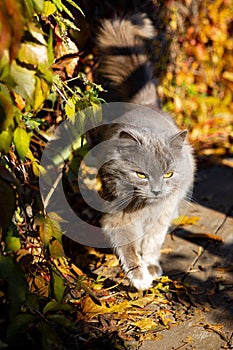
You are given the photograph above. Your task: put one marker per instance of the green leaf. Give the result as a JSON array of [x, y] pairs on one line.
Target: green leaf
[[70, 109], [7, 206], [58, 4], [64, 8], [38, 6], [55, 306], [45, 231], [58, 285], [24, 81], [34, 54], [6, 137], [19, 325], [69, 23], [17, 285], [36, 33], [4, 66], [61, 320], [50, 47], [6, 108], [50, 337], [71, 2], [36, 167], [53, 221], [41, 93], [48, 228], [29, 8], [56, 250], [12, 243], [21, 141]]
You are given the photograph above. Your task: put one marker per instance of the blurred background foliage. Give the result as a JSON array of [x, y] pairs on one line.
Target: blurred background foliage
[[48, 71], [197, 87]]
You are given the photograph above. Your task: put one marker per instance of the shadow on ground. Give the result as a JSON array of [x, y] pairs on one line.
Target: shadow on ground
[[207, 265]]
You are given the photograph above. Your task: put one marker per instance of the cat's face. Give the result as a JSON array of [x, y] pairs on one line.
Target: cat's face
[[145, 168]]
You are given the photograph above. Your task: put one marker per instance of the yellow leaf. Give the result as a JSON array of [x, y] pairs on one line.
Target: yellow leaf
[[228, 75], [49, 8], [41, 93], [70, 109], [142, 302], [77, 270], [91, 309], [185, 220], [165, 317], [145, 324], [111, 260], [39, 285], [165, 279], [56, 249], [189, 339]]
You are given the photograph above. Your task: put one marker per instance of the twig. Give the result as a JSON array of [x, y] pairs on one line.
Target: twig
[[49, 195]]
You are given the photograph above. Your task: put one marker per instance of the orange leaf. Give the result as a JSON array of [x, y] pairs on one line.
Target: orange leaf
[[211, 236]]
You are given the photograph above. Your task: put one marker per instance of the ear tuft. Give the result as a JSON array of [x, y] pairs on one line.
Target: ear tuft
[[178, 139], [128, 136]]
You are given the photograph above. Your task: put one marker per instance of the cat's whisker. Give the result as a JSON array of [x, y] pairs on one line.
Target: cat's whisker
[[122, 202]]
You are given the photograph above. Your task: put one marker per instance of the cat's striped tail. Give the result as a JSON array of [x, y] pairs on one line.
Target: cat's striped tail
[[124, 60]]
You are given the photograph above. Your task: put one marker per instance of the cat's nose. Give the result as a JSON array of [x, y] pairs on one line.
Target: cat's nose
[[155, 192]]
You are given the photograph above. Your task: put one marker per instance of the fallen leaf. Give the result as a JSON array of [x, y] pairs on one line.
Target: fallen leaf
[[224, 268], [91, 309], [77, 270], [185, 220], [204, 235], [142, 302], [111, 260], [145, 324], [166, 251], [166, 317]]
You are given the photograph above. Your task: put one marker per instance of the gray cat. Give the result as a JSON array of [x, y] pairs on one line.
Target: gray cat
[[147, 167]]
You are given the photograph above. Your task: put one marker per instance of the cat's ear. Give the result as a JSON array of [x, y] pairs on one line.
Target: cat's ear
[[178, 139], [128, 135]]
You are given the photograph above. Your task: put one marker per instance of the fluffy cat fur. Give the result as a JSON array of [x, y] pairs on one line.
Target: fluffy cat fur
[[149, 168]]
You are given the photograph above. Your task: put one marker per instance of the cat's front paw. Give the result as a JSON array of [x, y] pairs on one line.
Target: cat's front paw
[[140, 278], [155, 270]]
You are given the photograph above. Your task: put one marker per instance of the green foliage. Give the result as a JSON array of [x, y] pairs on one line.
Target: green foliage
[[7, 206], [77, 99], [26, 72], [33, 99], [16, 283]]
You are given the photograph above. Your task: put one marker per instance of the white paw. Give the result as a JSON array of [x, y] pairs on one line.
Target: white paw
[[140, 278]]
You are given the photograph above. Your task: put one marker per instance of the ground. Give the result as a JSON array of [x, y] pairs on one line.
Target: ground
[[199, 257], [206, 265]]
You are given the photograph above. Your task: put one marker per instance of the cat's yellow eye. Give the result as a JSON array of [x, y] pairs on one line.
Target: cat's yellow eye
[[168, 175], [141, 175]]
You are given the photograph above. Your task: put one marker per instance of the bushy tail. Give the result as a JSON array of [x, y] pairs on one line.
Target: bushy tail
[[124, 58]]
